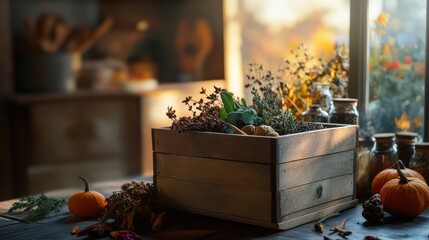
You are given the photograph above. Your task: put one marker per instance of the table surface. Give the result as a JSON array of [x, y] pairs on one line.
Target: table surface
[[180, 225]]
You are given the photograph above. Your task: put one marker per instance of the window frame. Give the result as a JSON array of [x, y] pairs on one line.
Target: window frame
[[359, 52]]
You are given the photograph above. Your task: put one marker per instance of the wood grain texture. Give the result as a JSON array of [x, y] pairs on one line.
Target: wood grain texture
[[214, 145], [316, 143], [295, 173], [313, 194], [222, 172], [316, 213], [182, 194], [257, 149], [291, 178]]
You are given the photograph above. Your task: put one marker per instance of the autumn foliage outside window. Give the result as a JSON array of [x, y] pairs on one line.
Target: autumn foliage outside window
[[396, 82]]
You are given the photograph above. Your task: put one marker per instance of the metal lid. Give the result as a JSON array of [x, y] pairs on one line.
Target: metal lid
[[348, 100], [384, 135], [404, 134], [405, 137], [422, 145]]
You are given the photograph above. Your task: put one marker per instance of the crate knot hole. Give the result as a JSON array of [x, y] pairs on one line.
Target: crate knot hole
[[319, 191]]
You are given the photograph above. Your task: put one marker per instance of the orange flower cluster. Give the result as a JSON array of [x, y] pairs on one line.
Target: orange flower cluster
[[301, 70]]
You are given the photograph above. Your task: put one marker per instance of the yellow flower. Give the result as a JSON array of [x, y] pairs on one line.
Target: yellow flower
[[383, 19], [403, 123], [418, 121], [386, 49]]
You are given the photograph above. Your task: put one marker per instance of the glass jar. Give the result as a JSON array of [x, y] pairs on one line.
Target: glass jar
[[321, 95], [405, 144], [344, 111], [315, 114], [383, 154], [420, 160], [362, 171]]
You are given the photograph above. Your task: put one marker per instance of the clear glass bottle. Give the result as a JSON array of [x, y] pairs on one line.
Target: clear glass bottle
[[315, 114], [344, 110], [362, 171], [383, 154], [321, 95], [420, 160], [405, 144]]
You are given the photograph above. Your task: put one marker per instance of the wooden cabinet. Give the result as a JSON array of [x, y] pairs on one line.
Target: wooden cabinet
[[57, 137], [47, 139]]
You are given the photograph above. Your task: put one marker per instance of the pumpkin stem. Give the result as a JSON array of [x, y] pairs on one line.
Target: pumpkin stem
[[86, 183], [401, 163], [402, 178], [398, 162]]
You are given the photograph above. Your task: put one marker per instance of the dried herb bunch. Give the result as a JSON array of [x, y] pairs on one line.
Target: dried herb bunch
[[133, 206], [267, 90], [208, 118], [37, 208]]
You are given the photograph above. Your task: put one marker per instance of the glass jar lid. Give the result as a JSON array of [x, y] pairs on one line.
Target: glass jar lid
[[321, 84], [405, 137], [345, 100], [384, 137], [422, 145], [361, 141]]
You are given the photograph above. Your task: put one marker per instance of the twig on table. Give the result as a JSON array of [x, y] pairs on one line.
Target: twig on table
[[319, 226], [340, 229]]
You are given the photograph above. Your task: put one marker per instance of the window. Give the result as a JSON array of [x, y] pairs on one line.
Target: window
[[386, 39], [264, 32], [389, 64]]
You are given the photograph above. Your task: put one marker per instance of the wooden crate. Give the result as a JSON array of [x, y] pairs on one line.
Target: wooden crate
[[276, 182]]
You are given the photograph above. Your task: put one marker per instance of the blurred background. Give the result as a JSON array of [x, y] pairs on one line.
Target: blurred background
[[83, 82]]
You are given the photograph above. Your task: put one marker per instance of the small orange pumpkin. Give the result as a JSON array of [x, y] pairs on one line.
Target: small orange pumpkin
[[405, 197], [391, 173], [87, 204]]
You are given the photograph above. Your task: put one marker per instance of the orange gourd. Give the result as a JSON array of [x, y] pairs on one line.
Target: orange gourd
[[405, 197], [391, 173], [87, 204]]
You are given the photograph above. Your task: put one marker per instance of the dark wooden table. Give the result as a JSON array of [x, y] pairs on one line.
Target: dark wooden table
[[180, 225]]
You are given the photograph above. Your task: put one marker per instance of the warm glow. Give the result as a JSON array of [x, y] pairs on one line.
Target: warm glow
[[233, 43], [403, 123], [277, 14]]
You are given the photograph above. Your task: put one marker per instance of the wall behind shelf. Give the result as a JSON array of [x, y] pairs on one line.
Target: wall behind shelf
[[6, 187]]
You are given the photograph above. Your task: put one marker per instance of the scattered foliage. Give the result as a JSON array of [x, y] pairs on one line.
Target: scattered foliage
[[133, 205], [37, 208], [208, 119]]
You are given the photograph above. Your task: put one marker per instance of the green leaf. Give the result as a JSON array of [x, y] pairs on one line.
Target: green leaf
[[237, 105], [249, 116], [235, 118], [228, 101], [244, 103], [223, 114]]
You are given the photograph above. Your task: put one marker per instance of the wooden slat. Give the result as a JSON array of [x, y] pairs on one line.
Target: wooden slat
[[316, 213], [267, 150], [310, 195], [319, 208], [227, 173], [214, 145], [316, 143], [295, 173], [186, 195]]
